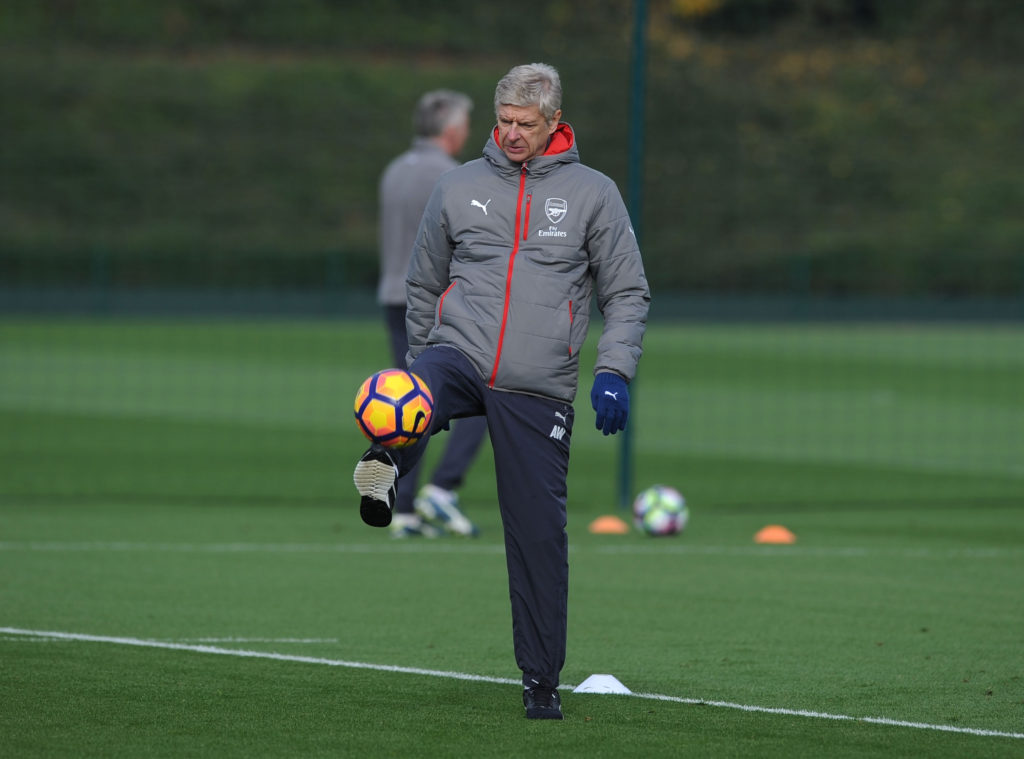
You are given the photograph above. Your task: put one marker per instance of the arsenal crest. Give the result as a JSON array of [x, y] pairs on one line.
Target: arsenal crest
[[555, 209]]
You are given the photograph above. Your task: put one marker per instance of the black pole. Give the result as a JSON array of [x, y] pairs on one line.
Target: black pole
[[638, 99]]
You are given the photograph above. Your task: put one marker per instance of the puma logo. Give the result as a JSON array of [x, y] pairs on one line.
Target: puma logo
[[482, 206], [613, 395]]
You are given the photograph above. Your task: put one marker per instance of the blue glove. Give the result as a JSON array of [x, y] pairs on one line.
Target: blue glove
[[610, 399]]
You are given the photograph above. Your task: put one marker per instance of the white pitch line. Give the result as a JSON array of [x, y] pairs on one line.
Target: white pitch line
[[258, 640], [826, 715], [360, 548], [202, 649], [462, 547]]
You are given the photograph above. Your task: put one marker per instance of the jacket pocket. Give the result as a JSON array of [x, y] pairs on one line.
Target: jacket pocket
[[438, 315], [572, 318]]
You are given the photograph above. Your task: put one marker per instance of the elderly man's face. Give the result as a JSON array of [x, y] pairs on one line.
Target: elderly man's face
[[522, 131]]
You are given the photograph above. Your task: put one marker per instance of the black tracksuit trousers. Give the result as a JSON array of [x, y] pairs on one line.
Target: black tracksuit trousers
[[464, 440], [530, 438]]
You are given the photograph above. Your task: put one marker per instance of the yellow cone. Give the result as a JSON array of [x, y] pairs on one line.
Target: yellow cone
[[609, 525], [774, 533]]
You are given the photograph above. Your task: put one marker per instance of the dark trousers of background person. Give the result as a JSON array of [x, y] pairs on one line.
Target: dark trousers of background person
[[530, 436], [464, 440]]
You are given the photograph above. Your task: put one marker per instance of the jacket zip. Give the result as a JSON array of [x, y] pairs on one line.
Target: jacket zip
[[511, 263]]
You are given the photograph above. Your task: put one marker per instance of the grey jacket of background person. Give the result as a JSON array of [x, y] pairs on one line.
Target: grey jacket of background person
[[404, 189], [506, 262]]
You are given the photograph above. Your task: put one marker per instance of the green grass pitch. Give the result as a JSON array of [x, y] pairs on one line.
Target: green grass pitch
[[176, 502]]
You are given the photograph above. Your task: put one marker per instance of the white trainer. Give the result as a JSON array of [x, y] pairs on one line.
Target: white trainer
[[412, 526], [375, 477], [442, 507]]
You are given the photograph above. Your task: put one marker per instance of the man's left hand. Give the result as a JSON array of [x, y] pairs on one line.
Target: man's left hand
[[610, 399]]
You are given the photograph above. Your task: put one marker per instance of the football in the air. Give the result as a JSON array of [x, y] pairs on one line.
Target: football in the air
[[393, 408], [660, 510]]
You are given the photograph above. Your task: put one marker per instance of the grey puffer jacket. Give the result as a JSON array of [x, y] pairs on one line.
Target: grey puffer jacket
[[507, 259], [405, 187]]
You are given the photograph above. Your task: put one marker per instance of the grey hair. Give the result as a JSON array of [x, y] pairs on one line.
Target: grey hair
[[438, 109], [531, 84]]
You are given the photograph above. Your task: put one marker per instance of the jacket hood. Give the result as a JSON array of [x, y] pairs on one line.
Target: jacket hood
[[561, 149]]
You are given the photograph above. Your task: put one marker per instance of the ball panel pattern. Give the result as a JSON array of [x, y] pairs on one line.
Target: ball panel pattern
[[393, 408]]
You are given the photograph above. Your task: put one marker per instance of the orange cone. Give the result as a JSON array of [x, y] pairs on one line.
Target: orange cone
[[608, 525], [774, 533]]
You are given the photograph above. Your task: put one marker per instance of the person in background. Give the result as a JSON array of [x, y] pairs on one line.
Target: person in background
[[512, 249], [440, 126]]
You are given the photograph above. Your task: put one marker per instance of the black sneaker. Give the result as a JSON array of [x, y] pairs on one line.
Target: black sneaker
[[542, 703], [376, 476]]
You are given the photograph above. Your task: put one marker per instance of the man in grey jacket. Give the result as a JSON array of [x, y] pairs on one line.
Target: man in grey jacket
[[511, 251], [441, 126]]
